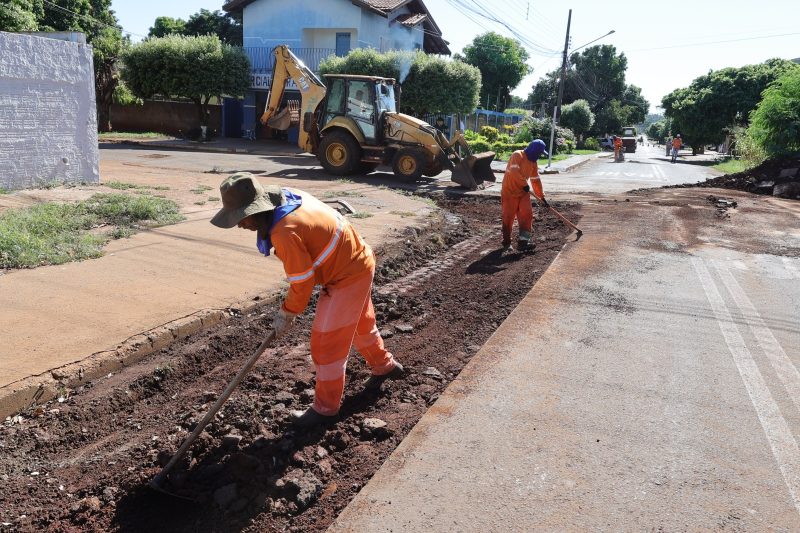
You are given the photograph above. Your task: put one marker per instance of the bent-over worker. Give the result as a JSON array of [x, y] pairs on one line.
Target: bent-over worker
[[317, 246], [522, 173]]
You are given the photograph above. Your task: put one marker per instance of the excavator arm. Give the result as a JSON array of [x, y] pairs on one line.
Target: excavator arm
[[312, 92]]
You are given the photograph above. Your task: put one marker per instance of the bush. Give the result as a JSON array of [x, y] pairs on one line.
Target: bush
[[489, 132], [479, 145], [536, 128], [775, 123], [517, 111], [504, 138], [591, 144], [470, 135]]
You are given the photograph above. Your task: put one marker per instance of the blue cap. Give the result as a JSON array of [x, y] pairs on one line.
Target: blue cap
[[535, 149]]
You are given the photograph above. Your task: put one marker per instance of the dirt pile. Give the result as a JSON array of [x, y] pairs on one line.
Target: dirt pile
[[775, 177], [81, 463]]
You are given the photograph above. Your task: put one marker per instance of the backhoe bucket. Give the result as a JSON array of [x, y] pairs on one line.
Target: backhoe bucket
[[280, 120], [473, 170]]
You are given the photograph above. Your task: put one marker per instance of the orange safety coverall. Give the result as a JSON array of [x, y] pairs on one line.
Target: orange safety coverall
[[676, 143], [516, 203], [617, 147], [318, 246]]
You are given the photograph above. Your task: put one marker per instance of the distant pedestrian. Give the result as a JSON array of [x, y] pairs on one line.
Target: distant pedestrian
[[676, 146]]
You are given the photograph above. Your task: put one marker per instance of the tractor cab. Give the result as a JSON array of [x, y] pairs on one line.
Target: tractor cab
[[361, 101]]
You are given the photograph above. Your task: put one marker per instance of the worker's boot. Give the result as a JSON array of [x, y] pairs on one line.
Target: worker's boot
[[310, 418], [506, 245], [375, 382]]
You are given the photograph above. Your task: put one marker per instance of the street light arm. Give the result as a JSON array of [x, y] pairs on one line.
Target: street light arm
[[594, 40]]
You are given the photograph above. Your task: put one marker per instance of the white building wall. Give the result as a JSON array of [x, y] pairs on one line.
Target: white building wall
[[48, 121]]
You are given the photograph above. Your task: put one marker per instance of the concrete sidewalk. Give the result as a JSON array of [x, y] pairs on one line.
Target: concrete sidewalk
[[64, 325]]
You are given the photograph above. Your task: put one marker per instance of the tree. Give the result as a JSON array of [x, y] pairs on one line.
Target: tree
[[706, 110], [596, 75], [502, 62], [164, 26], [775, 123], [577, 116], [20, 15], [94, 18], [197, 68], [225, 26], [430, 84]]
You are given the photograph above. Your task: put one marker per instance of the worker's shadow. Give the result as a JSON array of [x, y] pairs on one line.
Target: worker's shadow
[[496, 261]]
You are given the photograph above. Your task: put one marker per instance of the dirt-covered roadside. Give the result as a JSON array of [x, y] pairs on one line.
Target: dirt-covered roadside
[[774, 177], [82, 463]]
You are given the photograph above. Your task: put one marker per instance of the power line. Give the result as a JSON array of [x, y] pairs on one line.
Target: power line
[[92, 19], [712, 42]]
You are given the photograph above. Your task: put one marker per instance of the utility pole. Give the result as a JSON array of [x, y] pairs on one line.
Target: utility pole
[[557, 109]]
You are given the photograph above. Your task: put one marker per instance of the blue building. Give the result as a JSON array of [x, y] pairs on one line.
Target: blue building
[[316, 29]]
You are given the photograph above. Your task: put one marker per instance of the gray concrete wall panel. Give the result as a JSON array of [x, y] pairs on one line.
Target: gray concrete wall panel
[[48, 120]]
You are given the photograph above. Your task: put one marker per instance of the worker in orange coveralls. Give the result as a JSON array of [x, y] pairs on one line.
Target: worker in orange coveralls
[[522, 172], [317, 246], [618, 148]]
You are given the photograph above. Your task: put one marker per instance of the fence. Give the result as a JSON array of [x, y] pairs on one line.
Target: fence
[[262, 58]]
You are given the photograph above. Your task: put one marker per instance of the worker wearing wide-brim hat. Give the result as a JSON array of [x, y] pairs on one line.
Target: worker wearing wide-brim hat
[[522, 173], [317, 246]]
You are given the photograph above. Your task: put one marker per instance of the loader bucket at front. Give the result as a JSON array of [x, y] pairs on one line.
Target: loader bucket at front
[[473, 170]]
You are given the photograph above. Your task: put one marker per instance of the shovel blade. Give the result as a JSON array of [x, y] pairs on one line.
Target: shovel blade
[[473, 170]]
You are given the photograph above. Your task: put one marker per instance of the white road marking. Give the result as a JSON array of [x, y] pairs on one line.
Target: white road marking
[[784, 446], [791, 267], [783, 366]]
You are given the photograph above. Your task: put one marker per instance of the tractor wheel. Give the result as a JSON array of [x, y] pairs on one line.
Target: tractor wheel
[[434, 169], [339, 153], [409, 164]]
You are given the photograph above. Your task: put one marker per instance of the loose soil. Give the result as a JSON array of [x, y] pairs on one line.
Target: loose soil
[[762, 179], [82, 463]]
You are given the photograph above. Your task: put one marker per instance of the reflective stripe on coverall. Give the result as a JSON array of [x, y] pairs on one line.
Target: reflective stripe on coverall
[[516, 203], [319, 247]]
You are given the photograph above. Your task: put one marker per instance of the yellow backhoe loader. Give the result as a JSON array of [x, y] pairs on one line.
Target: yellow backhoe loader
[[352, 126]]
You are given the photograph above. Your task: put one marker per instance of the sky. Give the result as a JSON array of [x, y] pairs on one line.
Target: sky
[[667, 44]]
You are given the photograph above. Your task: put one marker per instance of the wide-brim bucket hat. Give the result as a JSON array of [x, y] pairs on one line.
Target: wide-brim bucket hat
[[242, 196]]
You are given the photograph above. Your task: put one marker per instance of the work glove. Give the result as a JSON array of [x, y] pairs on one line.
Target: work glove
[[544, 202], [527, 188], [282, 322]]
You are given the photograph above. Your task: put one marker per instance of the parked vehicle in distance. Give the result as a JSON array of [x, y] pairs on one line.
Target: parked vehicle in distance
[[606, 143]]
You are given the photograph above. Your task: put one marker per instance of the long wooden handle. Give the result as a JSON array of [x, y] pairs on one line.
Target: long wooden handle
[[159, 479], [567, 222]]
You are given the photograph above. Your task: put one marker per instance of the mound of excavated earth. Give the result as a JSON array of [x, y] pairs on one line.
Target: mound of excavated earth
[[775, 177], [82, 463]]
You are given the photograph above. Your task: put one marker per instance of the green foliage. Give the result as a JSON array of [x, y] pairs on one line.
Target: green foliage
[[536, 128], [596, 75], [224, 26], [591, 144], [703, 112], [54, 233], [164, 26], [577, 116], [196, 68], [430, 84], [489, 133], [20, 15], [516, 111], [502, 63], [775, 123], [658, 131], [124, 96]]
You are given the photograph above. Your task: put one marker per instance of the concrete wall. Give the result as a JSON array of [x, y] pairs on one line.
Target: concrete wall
[[174, 118], [48, 121]]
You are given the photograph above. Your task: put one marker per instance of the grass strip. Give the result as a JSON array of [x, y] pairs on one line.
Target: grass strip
[[56, 233]]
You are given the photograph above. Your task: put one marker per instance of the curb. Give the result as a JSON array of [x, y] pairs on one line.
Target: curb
[[41, 388]]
